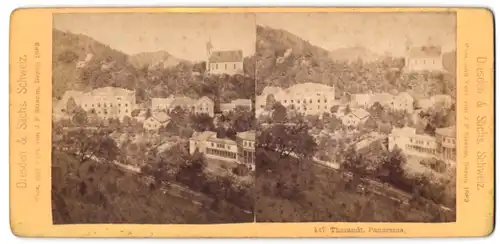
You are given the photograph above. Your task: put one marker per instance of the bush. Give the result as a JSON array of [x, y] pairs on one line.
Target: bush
[[241, 170]]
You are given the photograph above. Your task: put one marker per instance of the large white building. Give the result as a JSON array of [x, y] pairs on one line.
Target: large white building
[[442, 146], [305, 98], [412, 143], [105, 102], [240, 151], [224, 62]]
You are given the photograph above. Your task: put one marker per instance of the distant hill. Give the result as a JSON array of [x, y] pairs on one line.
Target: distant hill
[[82, 63], [160, 59], [352, 54]]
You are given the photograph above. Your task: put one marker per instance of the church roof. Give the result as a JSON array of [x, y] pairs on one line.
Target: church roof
[[425, 51], [226, 56]]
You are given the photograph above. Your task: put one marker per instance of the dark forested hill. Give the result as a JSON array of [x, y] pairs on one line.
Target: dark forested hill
[[79, 62]]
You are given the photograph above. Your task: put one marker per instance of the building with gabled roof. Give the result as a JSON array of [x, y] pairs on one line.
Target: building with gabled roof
[[424, 58], [224, 61], [156, 121]]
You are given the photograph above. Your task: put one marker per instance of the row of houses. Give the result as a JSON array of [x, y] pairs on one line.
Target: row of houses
[[242, 150], [114, 102]]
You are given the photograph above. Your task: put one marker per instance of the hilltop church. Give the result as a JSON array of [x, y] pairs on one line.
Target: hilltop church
[[423, 58], [224, 62]]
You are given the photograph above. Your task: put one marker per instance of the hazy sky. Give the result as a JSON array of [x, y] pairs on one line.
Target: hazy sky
[[379, 32], [183, 35]]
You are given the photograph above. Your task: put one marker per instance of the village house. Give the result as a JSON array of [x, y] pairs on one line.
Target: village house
[[442, 101], [231, 106], [446, 143], [305, 98], [198, 106], [156, 121], [400, 102], [424, 58], [246, 148], [240, 151], [354, 118], [413, 144], [224, 62]]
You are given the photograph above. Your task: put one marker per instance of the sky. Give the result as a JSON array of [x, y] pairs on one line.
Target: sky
[[379, 32], [183, 35]]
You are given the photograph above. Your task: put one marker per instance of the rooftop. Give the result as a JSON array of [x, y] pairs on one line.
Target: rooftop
[[226, 56], [203, 136], [221, 140], [447, 131], [113, 91], [162, 117], [425, 51], [247, 135]]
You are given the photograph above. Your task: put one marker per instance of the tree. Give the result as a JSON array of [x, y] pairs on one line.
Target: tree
[[148, 113], [334, 109], [334, 123], [86, 145], [293, 140], [279, 113], [202, 122], [270, 102], [221, 132], [347, 110], [71, 105], [392, 170], [79, 116]]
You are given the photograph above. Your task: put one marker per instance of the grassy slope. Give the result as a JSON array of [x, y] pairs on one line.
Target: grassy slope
[[326, 198], [124, 199]]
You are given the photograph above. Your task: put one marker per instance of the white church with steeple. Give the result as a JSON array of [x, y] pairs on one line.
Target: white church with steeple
[[224, 62]]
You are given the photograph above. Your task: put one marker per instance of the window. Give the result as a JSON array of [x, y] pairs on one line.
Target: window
[[92, 105], [111, 105], [217, 66], [85, 105], [119, 105], [104, 105], [234, 66], [318, 107], [325, 101], [291, 101], [126, 104], [99, 105], [284, 101], [126, 111], [319, 101], [298, 101], [212, 144], [225, 66]]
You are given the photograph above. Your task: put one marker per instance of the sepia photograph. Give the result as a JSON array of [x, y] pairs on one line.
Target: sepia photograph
[[356, 117], [153, 118]]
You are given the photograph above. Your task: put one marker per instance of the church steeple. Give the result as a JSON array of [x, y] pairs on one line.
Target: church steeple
[[209, 47]]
